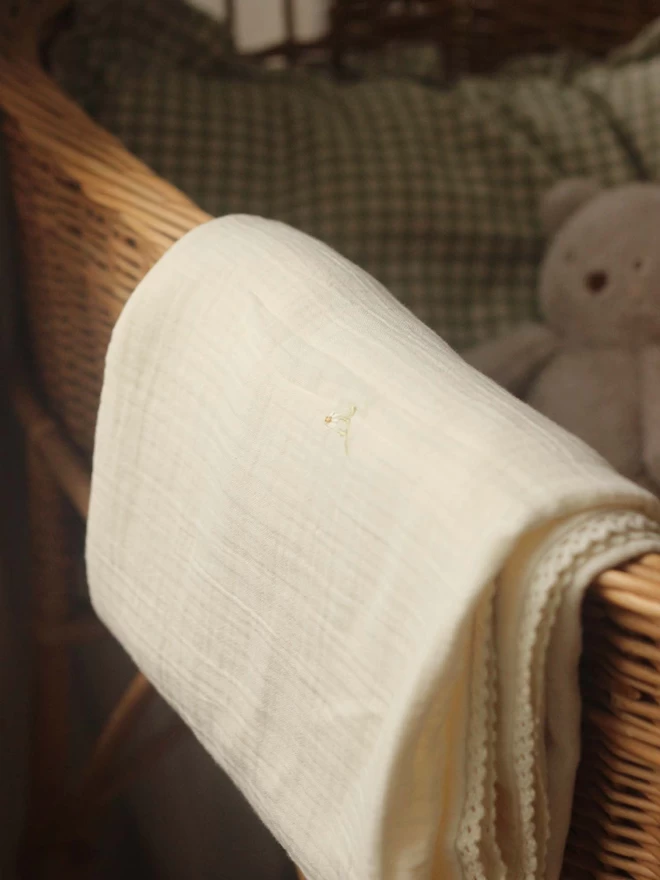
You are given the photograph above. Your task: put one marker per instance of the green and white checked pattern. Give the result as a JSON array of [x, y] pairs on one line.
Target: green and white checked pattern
[[434, 191]]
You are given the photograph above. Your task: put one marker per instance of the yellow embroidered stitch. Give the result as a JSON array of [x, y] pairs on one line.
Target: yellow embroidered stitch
[[341, 423]]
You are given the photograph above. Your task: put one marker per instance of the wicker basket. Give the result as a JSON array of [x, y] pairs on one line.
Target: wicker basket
[[93, 219]]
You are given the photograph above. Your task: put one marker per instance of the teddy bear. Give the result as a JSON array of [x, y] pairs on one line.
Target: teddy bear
[[593, 365]]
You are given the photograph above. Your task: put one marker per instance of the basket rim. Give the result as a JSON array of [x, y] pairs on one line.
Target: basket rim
[[108, 174]]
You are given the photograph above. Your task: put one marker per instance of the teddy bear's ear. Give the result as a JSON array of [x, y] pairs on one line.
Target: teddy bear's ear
[[564, 199]]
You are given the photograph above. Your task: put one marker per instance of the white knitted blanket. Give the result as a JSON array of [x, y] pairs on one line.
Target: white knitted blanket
[[352, 564]]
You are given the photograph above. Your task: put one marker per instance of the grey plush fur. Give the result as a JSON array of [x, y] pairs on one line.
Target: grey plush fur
[[594, 365]]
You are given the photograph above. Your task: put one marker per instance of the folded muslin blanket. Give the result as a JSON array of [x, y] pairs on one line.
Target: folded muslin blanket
[[352, 564]]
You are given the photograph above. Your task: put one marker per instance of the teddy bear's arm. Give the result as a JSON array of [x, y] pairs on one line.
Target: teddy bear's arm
[[650, 398], [513, 359]]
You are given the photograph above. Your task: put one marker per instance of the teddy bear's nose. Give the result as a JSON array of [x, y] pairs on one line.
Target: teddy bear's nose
[[596, 281]]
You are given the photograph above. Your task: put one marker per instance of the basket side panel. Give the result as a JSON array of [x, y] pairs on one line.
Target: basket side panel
[[80, 263], [615, 828], [92, 221]]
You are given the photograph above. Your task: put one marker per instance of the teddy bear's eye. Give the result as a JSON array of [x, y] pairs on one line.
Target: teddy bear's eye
[[596, 281], [638, 264]]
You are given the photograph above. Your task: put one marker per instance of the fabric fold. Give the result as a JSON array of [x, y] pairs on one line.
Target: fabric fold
[[352, 564]]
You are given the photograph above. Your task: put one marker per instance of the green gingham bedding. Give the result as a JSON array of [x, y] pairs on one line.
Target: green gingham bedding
[[433, 190]]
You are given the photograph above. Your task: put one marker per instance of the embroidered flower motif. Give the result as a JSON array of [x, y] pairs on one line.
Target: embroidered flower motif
[[341, 423]]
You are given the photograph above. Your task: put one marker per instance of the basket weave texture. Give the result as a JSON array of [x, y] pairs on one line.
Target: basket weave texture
[[93, 220]]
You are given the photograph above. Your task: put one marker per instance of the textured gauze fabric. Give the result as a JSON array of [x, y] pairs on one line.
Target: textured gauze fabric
[[351, 563]]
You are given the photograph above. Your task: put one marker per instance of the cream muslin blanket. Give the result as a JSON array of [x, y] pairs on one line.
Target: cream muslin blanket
[[353, 565]]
